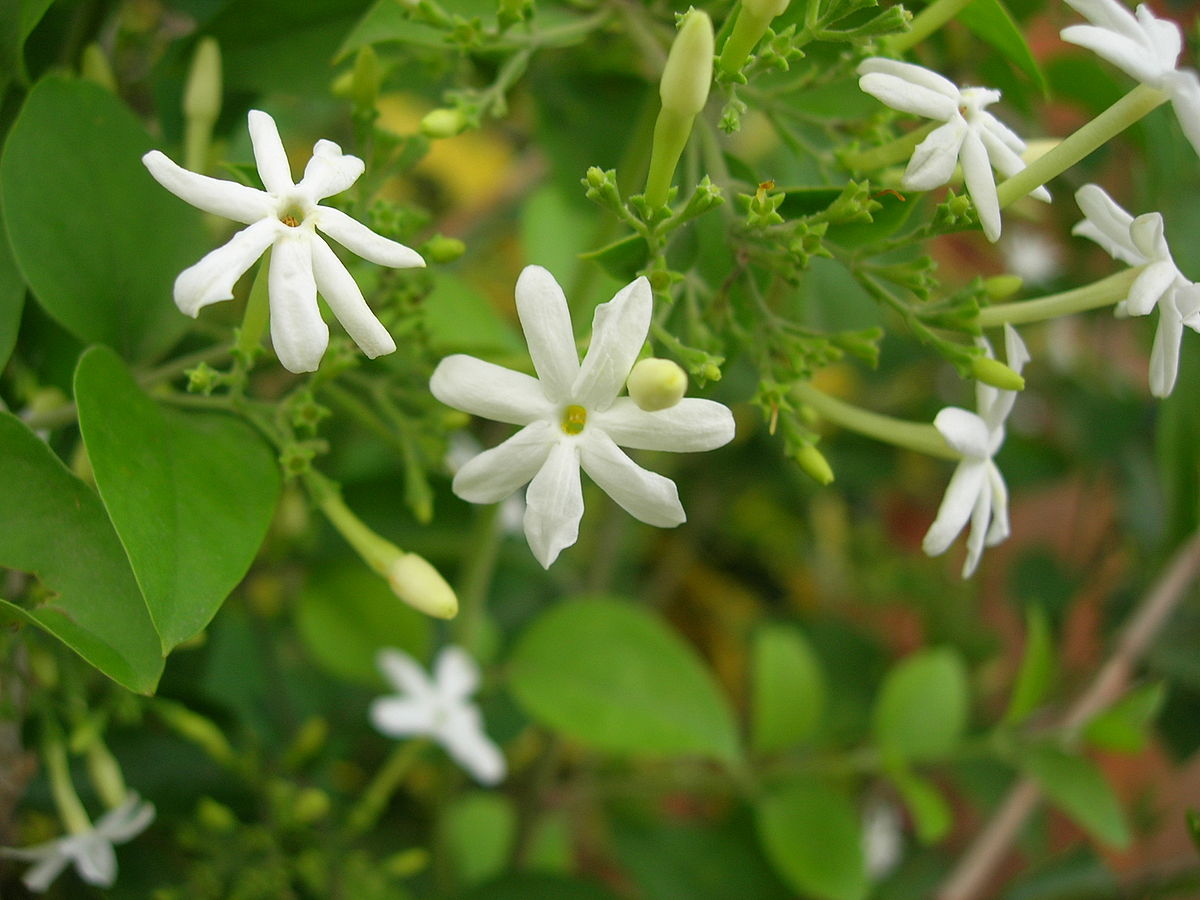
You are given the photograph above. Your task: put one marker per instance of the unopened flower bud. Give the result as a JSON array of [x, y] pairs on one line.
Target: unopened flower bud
[[997, 374], [310, 805], [364, 85], [422, 587], [656, 384], [443, 123], [1000, 287], [94, 66], [688, 72], [751, 24], [442, 249], [196, 728], [814, 464], [407, 863], [216, 817], [202, 92], [105, 775]]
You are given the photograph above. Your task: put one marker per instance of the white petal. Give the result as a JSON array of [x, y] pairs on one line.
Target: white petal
[[546, 321], [990, 125], [913, 74], [488, 390], [1107, 224], [903, 95], [999, 530], [964, 431], [1106, 13], [1185, 99], [1016, 354], [359, 239], [464, 739], [619, 329], [50, 865], [645, 495], [1150, 287], [554, 504], [227, 199], [1146, 232], [329, 172], [934, 160], [402, 716], [1126, 53], [690, 425], [269, 155], [213, 277], [495, 474], [977, 173], [1163, 35], [298, 333], [456, 674], [1164, 356], [341, 292], [957, 505], [404, 673], [981, 514], [127, 821], [95, 860]]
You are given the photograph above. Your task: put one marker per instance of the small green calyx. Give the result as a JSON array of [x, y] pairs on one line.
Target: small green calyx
[[574, 418]]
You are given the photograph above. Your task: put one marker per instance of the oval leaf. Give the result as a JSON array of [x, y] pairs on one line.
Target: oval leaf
[[12, 298], [921, 712], [478, 830], [788, 689], [54, 526], [1037, 667], [615, 677], [1078, 788], [810, 832], [991, 21], [191, 494], [98, 241]]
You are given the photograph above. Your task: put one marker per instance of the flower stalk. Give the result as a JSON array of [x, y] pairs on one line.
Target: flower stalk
[[909, 435], [70, 810], [374, 799], [929, 20], [753, 19], [1105, 292]]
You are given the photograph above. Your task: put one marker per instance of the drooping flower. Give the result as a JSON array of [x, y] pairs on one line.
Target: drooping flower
[[1141, 242], [439, 708], [286, 218], [970, 135], [91, 851], [571, 417], [1145, 47], [976, 492]]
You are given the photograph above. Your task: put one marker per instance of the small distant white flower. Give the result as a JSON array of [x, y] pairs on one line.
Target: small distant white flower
[[1146, 48], [1141, 242], [439, 708], [976, 492], [970, 135], [1032, 256], [882, 837], [286, 217], [572, 417], [90, 851]]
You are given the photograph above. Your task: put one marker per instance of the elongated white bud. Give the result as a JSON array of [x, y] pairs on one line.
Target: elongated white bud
[[688, 72]]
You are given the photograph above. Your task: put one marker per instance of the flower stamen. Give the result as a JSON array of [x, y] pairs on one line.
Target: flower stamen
[[574, 418], [290, 221]]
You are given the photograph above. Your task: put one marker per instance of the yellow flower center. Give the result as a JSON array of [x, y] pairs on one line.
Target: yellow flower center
[[290, 221], [574, 418]]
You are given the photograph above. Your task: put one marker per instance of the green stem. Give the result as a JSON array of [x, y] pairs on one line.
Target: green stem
[[671, 132], [1129, 109], [70, 810], [910, 435], [888, 154], [375, 798], [1106, 292], [930, 19], [473, 588], [254, 322], [747, 29]]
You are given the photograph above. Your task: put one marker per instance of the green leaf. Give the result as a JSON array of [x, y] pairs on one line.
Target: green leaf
[[621, 259], [191, 494], [18, 18], [810, 833], [347, 614], [1037, 667], [98, 241], [928, 808], [478, 830], [12, 297], [788, 689], [991, 21], [537, 886], [1123, 726], [54, 526], [1078, 788], [922, 710], [613, 676], [459, 319], [389, 21]]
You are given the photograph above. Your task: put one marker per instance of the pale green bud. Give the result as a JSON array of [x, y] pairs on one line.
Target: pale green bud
[[202, 92], [215, 816], [442, 249], [443, 123], [311, 805], [766, 8], [421, 586], [364, 85], [1000, 287], [748, 28], [815, 465], [94, 66], [105, 775], [656, 384], [688, 72], [997, 374], [196, 728]]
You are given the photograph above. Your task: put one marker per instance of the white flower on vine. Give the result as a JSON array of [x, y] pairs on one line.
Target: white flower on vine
[[571, 417], [286, 218], [439, 708], [976, 493], [1141, 242], [970, 135], [1145, 47], [91, 851]]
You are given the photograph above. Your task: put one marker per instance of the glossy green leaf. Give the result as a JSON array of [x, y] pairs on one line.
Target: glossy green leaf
[[54, 526], [18, 18], [1037, 667], [478, 830], [929, 810], [390, 22], [459, 319], [1124, 726], [991, 21], [811, 834], [12, 298], [615, 677], [788, 689], [1078, 788], [622, 259], [191, 494], [346, 615], [97, 240], [922, 708]]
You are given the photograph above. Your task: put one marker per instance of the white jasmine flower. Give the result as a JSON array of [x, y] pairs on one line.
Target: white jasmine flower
[[1146, 48], [571, 417], [90, 851], [439, 708], [1141, 242], [286, 217], [976, 492], [970, 135], [882, 838]]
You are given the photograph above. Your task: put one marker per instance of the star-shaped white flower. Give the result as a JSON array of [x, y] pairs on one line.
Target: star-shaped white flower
[[970, 135], [976, 492], [286, 217], [90, 851], [1146, 48], [572, 417], [1141, 242], [439, 708]]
